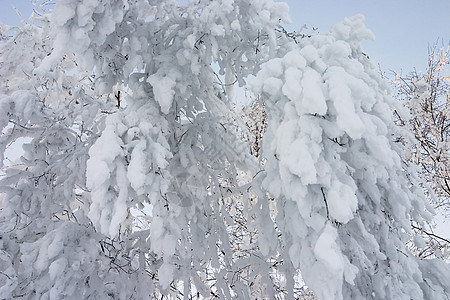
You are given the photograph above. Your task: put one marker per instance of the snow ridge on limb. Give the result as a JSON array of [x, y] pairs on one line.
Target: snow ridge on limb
[[331, 152]]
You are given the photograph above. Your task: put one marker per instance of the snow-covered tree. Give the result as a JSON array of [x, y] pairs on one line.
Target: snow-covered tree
[[124, 108], [336, 170], [427, 97]]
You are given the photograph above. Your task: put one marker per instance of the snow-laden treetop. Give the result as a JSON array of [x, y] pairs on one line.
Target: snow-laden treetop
[[135, 182]]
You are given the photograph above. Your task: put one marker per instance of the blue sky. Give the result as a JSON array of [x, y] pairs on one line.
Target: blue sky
[[403, 28]]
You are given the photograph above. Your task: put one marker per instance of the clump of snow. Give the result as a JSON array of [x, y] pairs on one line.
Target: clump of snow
[[163, 89], [313, 101], [100, 166], [291, 87], [295, 59], [63, 12], [235, 25], [217, 30], [57, 268], [419, 241], [137, 168], [272, 85], [353, 29], [342, 201], [165, 275], [330, 258], [341, 94], [274, 67], [309, 53]]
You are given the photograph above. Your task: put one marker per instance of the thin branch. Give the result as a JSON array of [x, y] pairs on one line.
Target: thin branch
[[430, 234], [326, 204]]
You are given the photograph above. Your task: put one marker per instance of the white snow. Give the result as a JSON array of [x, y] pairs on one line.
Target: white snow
[[324, 196], [57, 268], [55, 247], [352, 28], [63, 12], [272, 85], [330, 260], [189, 42], [419, 241], [120, 209], [292, 87], [313, 101], [84, 12], [165, 275], [295, 59], [309, 52], [347, 119], [137, 169], [235, 25], [99, 168], [163, 89], [274, 67], [342, 201], [217, 30]]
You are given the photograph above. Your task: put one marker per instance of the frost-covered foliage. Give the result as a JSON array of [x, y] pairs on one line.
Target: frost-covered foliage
[[255, 118], [427, 97], [124, 108]]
